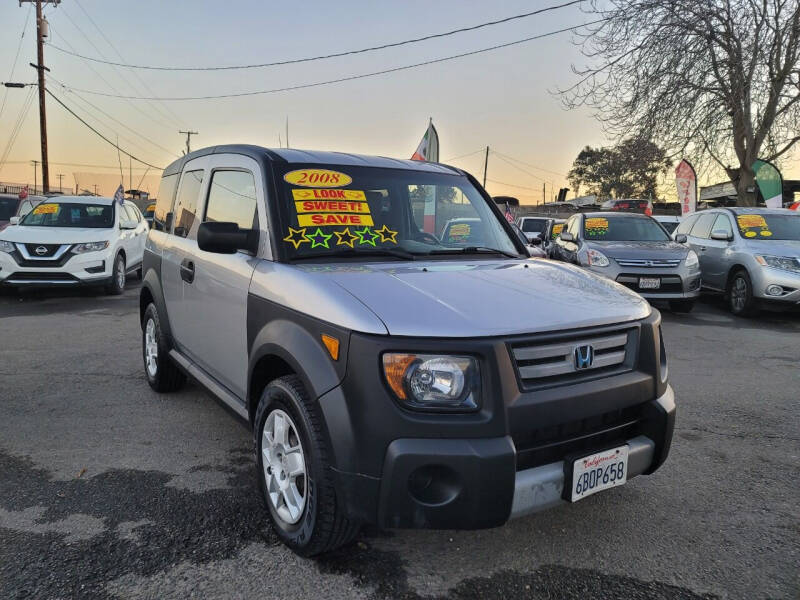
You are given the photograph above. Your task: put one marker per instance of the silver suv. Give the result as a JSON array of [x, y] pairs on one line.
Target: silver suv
[[633, 250], [752, 255], [392, 374]]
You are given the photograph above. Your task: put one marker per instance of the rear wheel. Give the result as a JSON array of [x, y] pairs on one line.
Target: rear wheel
[[293, 470], [162, 374], [117, 284], [681, 306], [740, 295]]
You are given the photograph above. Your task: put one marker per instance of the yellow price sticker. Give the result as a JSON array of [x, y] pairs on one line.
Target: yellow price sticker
[[597, 223], [46, 209], [557, 229], [322, 178], [751, 221]]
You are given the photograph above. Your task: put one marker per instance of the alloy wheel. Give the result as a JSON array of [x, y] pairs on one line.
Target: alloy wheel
[[739, 294], [121, 272], [151, 348], [284, 466]]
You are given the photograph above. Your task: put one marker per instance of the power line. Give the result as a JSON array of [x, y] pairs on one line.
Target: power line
[[508, 162], [125, 152], [26, 106], [529, 164], [70, 164], [514, 185], [447, 160], [324, 56], [16, 58], [344, 79]]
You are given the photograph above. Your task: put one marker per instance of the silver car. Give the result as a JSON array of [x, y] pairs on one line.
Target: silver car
[[633, 250], [752, 255]]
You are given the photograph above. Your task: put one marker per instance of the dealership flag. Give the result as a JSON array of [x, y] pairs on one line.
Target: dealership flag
[[686, 182], [23, 193], [119, 195], [428, 148], [770, 183]]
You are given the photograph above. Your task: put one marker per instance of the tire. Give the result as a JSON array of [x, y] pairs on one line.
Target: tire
[[740, 295], [317, 524], [162, 374], [116, 285], [681, 306]]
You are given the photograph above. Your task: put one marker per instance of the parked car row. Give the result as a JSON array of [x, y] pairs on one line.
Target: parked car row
[[13, 207]]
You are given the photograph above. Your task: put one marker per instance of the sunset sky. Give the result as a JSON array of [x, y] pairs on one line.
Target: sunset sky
[[501, 99]]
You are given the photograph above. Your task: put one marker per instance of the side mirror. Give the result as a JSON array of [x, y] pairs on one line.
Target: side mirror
[[681, 238], [226, 238], [720, 235], [14, 221], [567, 236], [537, 241]]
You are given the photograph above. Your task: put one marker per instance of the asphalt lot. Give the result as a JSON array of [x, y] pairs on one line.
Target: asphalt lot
[[110, 490]]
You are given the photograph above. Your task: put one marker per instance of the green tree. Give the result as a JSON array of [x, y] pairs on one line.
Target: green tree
[[628, 170]]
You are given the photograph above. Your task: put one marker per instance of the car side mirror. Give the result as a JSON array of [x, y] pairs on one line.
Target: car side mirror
[[681, 238], [226, 238], [567, 236], [720, 235], [537, 241], [13, 221]]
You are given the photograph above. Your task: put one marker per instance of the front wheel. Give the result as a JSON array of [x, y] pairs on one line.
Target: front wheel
[[162, 374], [293, 471], [740, 295], [681, 306], [117, 284]]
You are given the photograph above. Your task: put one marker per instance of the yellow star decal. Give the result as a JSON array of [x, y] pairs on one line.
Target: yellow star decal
[[387, 235], [296, 237], [342, 241]]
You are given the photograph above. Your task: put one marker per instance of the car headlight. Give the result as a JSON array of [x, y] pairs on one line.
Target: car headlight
[[6, 247], [433, 382], [596, 258], [785, 263], [691, 259], [89, 247]]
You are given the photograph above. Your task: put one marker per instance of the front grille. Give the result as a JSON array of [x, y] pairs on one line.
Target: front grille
[[656, 263], [670, 284], [41, 277], [551, 444], [555, 361], [50, 249]]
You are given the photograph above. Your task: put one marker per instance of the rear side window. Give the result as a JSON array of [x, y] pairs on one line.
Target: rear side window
[[232, 199], [186, 207], [702, 228], [166, 195], [686, 225]]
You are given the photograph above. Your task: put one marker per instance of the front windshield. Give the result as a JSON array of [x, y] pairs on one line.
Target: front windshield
[[623, 229], [350, 210], [534, 225], [769, 226], [55, 214], [8, 208]]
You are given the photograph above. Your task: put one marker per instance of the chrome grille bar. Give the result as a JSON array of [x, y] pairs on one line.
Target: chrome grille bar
[[559, 359], [655, 263]]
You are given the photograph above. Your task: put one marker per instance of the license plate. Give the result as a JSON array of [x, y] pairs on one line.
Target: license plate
[[599, 472], [649, 283]]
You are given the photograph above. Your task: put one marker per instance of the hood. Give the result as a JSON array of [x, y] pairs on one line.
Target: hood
[[471, 299], [55, 235], [774, 247], [641, 250]]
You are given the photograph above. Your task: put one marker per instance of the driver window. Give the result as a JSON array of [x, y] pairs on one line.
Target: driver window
[[723, 223]]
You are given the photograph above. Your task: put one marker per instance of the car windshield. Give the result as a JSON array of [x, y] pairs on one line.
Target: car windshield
[[8, 208], [623, 229], [534, 225], [769, 226], [351, 211], [56, 214]]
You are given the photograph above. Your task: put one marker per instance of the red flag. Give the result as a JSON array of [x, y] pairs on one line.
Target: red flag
[[428, 148], [23, 193]]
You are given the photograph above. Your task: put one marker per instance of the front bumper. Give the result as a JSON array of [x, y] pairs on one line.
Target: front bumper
[[677, 283], [764, 277], [91, 268]]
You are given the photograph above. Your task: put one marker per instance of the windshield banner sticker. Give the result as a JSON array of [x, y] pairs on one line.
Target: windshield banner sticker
[[296, 237], [557, 229], [747, 223], [46, 209], [339, 206], [330, 219], [459, 232], [345, 238], [357, 195], [596, 226], [317, 178]]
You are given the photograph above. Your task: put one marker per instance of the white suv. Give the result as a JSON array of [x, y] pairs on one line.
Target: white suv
[[74, 240]]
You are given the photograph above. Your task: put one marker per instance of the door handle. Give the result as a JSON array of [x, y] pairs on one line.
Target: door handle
[[187, 271], [702, 248]]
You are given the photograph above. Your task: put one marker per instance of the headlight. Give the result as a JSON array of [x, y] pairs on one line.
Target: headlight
[[596, 258], [6, 247], [432, 382], [89, 247], [785, 263], [691, 259]]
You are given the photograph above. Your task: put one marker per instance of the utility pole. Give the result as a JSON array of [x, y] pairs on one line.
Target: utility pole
[[35, 163], [60, 178], [95, 189], [41, 33], [544, 192], [485, 166], [287, 131], [189, 135]]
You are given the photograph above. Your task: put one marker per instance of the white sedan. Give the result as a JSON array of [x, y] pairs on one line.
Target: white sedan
[[74, 240]]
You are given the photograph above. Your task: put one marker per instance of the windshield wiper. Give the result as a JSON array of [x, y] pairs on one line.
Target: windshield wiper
[[349, 252], [475, 250]]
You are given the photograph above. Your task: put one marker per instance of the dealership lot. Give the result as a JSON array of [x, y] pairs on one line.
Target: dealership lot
[[108, 489]]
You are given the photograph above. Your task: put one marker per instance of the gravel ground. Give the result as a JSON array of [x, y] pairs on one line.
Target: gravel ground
[[110, 490]]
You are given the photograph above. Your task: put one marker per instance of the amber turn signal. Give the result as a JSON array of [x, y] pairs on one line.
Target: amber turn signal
[[395, 367], [332, 344]]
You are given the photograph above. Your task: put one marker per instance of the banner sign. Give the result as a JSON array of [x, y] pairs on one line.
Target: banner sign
[[770, 183], [686, 182]]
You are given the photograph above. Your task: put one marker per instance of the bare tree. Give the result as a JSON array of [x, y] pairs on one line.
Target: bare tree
[[714, 80]]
